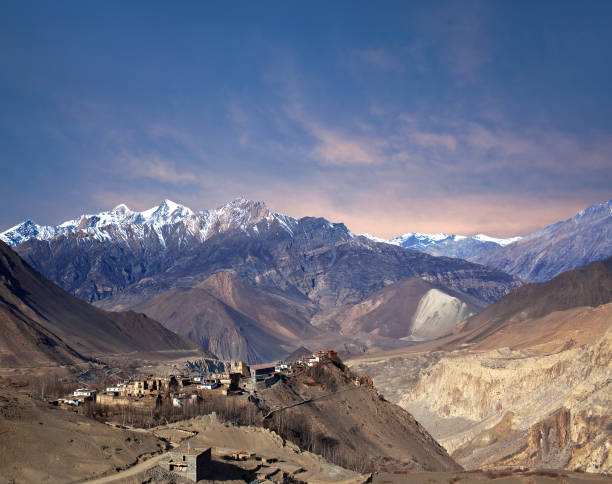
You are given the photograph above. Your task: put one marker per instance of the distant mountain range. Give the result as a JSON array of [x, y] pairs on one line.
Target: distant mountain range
[[458, 246], [537, 257], [301, 281], [540, 256], [311, 267]]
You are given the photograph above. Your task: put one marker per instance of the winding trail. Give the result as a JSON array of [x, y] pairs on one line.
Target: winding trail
[[129, 472], [314, 399]]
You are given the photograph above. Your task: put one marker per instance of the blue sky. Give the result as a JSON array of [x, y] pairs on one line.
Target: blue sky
[[461, 117]]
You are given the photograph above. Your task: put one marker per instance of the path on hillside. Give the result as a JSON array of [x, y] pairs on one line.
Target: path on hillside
[[129, 472], [310, 400]]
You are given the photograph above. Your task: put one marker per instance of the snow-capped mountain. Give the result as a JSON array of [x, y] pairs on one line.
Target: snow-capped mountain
[[565, 245], [159, 221], [441, 244], [123, 257]]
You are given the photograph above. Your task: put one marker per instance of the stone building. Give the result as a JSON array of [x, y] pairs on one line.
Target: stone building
[[191, 464]]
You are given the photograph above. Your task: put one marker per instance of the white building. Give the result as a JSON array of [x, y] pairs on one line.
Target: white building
[[84, 392], [209, 384]]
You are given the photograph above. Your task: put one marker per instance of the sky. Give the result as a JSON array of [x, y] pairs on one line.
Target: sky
[[430, 116]]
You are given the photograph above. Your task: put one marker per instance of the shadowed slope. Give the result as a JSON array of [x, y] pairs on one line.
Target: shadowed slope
[[232, 319], [42, 323], [589, 286]]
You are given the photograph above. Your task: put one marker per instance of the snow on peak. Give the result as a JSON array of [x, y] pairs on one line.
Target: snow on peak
[[25, 231], [166, 212], [502, 242], [426, 238], [373, 238], [121, 208]]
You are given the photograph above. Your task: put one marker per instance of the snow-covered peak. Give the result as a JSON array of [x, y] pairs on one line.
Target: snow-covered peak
[[167, 212], [122, 222], [239, 213], [598, 210], [121, 208], [502, 242], [418, 237], [373, 238], [25, 231]]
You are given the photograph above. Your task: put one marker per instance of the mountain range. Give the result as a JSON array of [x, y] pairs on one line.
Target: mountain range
[[309, 267], [447, 245], [575, 242], [299, 281], [537, 257]]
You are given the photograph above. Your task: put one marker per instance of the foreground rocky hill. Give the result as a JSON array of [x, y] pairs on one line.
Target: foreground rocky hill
[[338, 414], [524, 383]]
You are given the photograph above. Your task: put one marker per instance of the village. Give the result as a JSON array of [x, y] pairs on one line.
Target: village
[[185, 389]]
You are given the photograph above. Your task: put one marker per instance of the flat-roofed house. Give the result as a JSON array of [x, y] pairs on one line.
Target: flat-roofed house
[[190, 464]]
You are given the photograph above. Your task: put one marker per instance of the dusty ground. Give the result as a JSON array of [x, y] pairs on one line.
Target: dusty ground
[[40, 443], [225, 439], [544, 477]]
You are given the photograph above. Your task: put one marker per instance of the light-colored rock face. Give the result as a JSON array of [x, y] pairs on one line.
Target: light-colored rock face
[[436, 314], [508, 407]]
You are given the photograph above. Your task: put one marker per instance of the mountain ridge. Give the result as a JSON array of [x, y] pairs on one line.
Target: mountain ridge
[[42, 323], [557, 248]]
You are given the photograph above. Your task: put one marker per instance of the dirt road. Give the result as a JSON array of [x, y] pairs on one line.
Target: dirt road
[[130, 472]]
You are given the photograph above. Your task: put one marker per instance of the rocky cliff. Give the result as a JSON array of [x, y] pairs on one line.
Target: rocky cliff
[[527, 382]]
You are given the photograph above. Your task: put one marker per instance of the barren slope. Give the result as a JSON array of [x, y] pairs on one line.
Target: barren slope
[[413, 309], [325, 410], [233, 320], [43, 324], [526, 382]]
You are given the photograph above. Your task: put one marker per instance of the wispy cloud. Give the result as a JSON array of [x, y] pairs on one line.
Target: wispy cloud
[[434, 140], [155, 168], [333, 148], [380, 58]]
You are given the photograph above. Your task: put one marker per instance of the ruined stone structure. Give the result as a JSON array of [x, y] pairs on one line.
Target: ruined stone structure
[[190, 463]]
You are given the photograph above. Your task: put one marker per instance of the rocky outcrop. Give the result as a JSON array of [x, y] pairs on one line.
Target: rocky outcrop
[[339, 414], [412, 309], [512, 407], [526, 382]]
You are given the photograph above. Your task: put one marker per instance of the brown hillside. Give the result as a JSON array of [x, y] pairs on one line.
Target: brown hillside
[[233, 320], [43, 324], [588, 286], [390, 312], [324, 410]]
